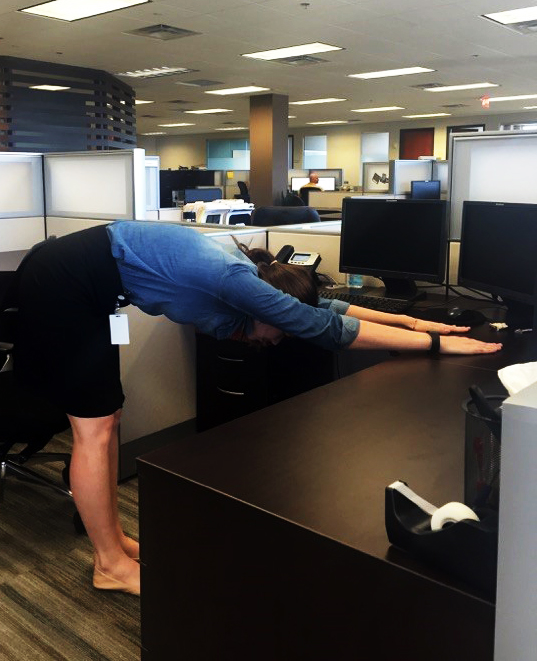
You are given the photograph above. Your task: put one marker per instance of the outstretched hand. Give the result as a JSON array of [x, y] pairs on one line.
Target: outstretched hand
[[467, 345], [422, 326]]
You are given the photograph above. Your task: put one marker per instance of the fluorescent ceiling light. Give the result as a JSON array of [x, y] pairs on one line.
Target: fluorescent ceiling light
[[513, 98], [155, 133], [154, 72], [50, 88], [67, 10], [431, 114], [291, 116], [332, 121], [239, 90], [209, 111], [378, 109], [454, 88], [233, 128], [530, 107], [177, 124], [390, 72], [139, 102], [292, 51], [311, 101], [513, 16]]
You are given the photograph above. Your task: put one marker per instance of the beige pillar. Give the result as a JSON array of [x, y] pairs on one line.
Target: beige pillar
[[268, 148]]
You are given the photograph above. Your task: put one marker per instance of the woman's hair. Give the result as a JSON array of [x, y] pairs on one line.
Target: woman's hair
[[289, 278]]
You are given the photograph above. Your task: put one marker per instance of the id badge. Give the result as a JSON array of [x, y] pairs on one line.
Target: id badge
[[119, 328]]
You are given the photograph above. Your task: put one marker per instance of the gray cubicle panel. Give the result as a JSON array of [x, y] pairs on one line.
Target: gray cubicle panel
[[152, 184], [98, 185], [441, 174], [376, 177], [492, 166], [22, 222], [403, 171]]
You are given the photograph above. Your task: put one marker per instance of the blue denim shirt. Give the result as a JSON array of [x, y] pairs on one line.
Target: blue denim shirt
[[190, 278]]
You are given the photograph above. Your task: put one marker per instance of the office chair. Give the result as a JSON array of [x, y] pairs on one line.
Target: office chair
[[267, 216], [244, 194], [290, 199], [23, 418], [304, 193]]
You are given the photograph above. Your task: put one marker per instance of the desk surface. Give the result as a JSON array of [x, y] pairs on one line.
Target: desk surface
[[322, 460]]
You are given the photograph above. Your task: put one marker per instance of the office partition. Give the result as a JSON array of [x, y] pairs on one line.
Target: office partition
[[492, 166], [22, 222], [376, 177], [97, 185], [152, 184], [402, 172]]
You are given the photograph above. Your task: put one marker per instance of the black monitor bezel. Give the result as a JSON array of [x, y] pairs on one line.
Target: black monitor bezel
[[436, 278], [494, 290], [438, 188]]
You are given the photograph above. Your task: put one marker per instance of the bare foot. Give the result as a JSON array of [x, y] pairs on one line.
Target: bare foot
[[123, 576]]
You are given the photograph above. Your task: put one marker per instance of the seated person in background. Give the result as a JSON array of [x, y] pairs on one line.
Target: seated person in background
[[68, 288], [313, 184]]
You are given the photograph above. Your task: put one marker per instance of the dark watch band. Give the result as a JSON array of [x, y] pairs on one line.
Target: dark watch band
[[435, 342]]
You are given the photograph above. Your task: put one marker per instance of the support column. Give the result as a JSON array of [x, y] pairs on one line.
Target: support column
[[268, 148]]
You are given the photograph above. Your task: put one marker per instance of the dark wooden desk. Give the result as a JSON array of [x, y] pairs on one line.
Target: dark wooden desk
[[263, 539]]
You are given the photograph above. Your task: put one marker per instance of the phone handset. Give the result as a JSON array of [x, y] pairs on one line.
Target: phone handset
[[284, 254]]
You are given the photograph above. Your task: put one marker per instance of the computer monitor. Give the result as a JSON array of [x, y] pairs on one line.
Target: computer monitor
[[399, 241], [326, 183], [498, 254], [425, 190], [202, 194]]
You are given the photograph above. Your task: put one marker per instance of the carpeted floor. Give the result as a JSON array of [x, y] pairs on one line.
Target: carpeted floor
[[48, 607]]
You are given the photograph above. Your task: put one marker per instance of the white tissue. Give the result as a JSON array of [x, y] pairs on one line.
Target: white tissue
[[517, 377]]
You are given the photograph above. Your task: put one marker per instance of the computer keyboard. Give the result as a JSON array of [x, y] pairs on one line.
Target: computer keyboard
[[380, 303]]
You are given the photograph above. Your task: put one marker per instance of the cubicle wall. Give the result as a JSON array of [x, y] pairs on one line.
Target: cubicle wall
[[492, 166], [402, 172], [22, 214]]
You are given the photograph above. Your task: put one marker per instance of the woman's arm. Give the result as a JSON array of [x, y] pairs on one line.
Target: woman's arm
[[380, 336], [403, 320]]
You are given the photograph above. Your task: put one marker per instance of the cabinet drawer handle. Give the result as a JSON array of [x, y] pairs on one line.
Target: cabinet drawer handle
[[231, 360], [230, 392]]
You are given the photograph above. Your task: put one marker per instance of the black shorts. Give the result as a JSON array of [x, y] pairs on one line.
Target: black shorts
[[68, 288]]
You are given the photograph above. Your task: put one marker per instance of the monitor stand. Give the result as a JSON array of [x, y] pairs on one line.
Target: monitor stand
[[402, 288]]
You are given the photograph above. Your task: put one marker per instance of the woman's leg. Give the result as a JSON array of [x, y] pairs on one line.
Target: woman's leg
[[91, 476]]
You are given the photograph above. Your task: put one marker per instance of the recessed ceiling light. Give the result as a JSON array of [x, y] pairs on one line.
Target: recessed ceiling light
[[430, 114], [311, 101], [209, 111], [155, 72], [390, 72], [385, 108], [67, 10], [530, 107], [50, 88], [139, 102], [292, 51], [513, 16], [155, 133], [233, 128], [177, 124], [291, 116], [239, 90], [454, 88], [519, 97], [332, 121]]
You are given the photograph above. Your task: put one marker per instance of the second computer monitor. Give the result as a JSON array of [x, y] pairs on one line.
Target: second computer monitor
[[498, 254], [399, 241], [425, 190]]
